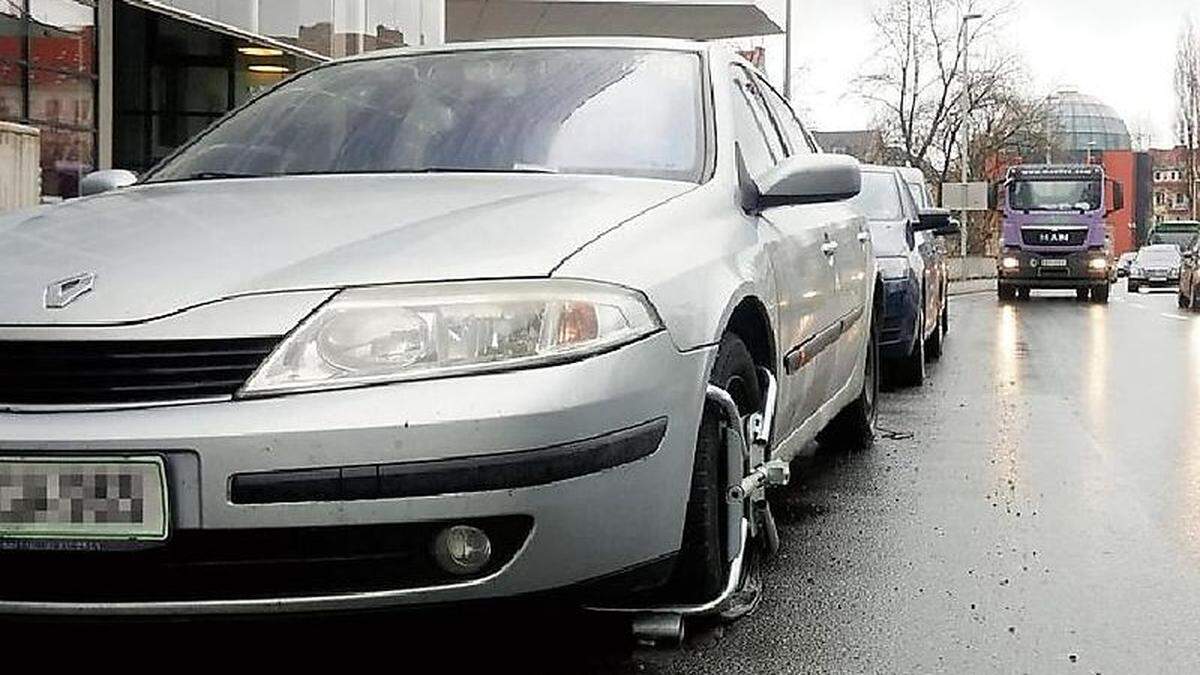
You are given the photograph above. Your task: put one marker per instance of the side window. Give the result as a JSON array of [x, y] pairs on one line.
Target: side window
[[910, 206], [798, 142], [761, 147]]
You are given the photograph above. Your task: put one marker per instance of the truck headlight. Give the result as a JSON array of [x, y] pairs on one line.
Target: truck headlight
[[395, 333], [1010, 263], [894, 269], [1098, 264]]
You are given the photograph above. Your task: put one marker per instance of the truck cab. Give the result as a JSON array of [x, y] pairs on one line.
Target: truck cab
[[1054, 234]]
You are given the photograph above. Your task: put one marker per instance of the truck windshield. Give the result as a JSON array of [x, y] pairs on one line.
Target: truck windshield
[[624, 112], [1054, 195]]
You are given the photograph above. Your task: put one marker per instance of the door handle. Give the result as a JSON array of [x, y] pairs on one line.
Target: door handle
[[829, 248]]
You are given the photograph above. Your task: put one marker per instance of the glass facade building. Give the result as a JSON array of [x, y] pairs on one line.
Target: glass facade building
[[1084, 123], [122, 83], [48, 79], [116, 83]]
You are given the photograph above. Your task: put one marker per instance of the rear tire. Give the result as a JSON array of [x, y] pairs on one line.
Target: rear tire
[[911, 371], [1100, 294], [945, 314], [854, 428], [701, 568]]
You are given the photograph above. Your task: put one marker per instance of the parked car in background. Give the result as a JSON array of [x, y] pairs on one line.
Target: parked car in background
[[1156, 266], [915, 286], [410, 328], [1182, 233], [932, 244], [1124, 262], [1189, 277]]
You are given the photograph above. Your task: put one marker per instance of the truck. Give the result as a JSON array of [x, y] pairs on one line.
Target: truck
[[1181, 233], [1054, 233]]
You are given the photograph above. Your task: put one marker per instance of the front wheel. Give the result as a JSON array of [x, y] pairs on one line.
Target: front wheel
[[1184, 302], [1100, 293], [854, 428], [701, 568], [1082, 293], [1131, 287], [1006, 292]]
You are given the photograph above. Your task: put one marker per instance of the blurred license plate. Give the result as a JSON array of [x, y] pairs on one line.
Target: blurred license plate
[[1158, 280], [94, 499], [1054, 262]]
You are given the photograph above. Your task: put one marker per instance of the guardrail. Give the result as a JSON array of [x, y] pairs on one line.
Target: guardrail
[[20, 171]]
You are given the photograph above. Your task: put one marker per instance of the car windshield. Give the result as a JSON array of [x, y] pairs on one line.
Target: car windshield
[[556, 110], [1054, 195], [879, 199], [1159, 256], [920, 195], [1184, 239]]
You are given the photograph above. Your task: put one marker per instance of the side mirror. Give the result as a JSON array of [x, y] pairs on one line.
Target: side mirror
[[1118, 196], [936, 221], [102, 181], [995, 194], [810, 179]]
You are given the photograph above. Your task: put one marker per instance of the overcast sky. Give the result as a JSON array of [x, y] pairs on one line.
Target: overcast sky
[[1121, 51]]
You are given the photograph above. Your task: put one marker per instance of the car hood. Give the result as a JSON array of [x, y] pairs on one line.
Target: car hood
[[157, 249]]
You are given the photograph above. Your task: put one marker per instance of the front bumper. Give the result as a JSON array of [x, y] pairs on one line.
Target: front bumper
[[574, 530], [1168, 281], [1033, 271]]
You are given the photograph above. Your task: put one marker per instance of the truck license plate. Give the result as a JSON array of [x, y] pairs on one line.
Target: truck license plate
[[82, 499], [1054, 262]]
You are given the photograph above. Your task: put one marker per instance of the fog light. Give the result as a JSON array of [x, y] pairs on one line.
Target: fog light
[[1010, 263], [1098, 264], [462, 549]]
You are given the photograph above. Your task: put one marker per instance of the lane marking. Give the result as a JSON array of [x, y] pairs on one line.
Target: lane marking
[[1174, 316]]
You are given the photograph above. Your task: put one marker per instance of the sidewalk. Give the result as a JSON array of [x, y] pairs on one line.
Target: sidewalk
[[972, 286]]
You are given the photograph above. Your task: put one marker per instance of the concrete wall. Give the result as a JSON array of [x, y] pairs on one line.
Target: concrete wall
[[20, 170]]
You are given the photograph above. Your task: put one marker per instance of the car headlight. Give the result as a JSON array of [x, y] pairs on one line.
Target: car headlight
[[893, 269], [395, 333], [1098, 263], [1135, 271]]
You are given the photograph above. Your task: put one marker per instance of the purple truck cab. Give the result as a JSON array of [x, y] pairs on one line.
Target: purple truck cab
[[1054, 234]]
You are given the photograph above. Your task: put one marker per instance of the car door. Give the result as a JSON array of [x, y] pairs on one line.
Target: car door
[[804, 273], [924, 248], [851, 258]]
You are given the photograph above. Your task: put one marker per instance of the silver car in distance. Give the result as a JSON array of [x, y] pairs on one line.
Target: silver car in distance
[[428, 326]]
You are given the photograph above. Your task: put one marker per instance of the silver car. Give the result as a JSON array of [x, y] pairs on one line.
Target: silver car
[[434, 325]]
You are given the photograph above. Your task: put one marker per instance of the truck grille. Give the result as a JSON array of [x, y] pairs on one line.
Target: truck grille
[[125, 372], [1046, 236]]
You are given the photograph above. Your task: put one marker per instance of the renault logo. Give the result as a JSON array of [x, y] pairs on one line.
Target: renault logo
[[65, 291]]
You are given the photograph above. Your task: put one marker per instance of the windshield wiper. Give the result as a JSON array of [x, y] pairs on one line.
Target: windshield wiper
[[215, 175]]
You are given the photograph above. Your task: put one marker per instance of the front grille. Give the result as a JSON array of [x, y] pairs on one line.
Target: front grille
[[125, 372], [256, 563], [1046, 236]]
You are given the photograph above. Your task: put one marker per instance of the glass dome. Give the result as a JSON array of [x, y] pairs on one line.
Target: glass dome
[[1083, 120]]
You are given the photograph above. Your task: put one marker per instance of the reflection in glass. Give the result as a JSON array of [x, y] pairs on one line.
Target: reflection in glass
[[59, 98], [66, 157], [62, 35], [11, 99]]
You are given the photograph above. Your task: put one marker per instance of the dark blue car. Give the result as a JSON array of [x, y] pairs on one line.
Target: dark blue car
[[907, 255]]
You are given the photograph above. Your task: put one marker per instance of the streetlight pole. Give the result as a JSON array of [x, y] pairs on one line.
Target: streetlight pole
[[787, 52], [966, 140]]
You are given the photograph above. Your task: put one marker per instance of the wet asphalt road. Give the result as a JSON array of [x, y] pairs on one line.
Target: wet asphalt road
[[1043, 517]]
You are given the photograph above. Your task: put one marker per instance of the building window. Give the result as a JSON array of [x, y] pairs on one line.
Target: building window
[[48, 80]]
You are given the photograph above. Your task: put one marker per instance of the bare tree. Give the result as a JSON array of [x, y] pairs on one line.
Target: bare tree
[[1187, 96], [917, 75]]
